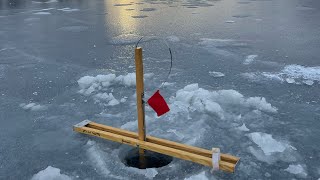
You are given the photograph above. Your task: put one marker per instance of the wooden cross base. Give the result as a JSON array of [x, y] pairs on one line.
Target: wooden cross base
[[170, 148]]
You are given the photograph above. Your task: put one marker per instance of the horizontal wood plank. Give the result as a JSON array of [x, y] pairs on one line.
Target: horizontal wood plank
[[130, 138], [172, 144]]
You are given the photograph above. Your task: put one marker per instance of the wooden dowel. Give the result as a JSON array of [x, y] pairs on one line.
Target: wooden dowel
[[140, 95]]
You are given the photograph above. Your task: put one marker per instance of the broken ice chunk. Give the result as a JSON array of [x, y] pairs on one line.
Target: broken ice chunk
[[290, 80], [308, 82], [250, 59], [216, 74], [50, 173], [243, 128], [267, 143], [296, 169]]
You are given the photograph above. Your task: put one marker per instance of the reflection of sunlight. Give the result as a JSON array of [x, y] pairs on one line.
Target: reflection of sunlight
[[121, 15]]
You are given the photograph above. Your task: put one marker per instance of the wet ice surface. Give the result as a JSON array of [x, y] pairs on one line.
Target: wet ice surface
[[245, 78]]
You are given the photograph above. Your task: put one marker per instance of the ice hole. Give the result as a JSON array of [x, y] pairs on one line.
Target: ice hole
[[146, 160]]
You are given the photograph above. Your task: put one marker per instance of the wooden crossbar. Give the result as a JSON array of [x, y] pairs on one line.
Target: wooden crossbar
[[182, 151]]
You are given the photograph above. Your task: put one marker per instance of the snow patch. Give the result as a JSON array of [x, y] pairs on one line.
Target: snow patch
[[67, 9], [192, 98], [105, 97], [298, 71], [243, 128], [250, 59], [221, 46], [151, 173], [90, 84], [260, 103], [40, 2], [50, 173], [33, 107], [207, 42], [216, 74], [308, 82], [100, 87], [131, 125], [304, 8], [42, 13], [200, 176], [175, 132], [297, 170], [46, 9], [292, 74], [290, 80], [96, 158], [173, 39], [74, 28], [30, 20], [267, 143]]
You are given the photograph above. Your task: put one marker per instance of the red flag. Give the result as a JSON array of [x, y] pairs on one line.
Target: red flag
[[158, 104]]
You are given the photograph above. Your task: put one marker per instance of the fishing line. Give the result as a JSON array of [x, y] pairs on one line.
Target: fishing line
[[171, 57]]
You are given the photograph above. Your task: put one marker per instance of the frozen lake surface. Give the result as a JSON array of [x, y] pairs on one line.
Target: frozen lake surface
[[245, 78]]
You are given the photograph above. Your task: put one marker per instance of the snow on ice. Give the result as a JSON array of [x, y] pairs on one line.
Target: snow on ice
[[230, 21], [67, 9], [207, 42], [107, 163], [198, 99], [45, 2], [200, 176], [267, 143], [270, 150], [42, 13], [296, 169], [250, 59], [33, 107], [90, 84], [243, 128], [50, 173], [216, 74], [100, 87], [220, 46], [292, 74], [173, 38], [74, 29], [96, 157]]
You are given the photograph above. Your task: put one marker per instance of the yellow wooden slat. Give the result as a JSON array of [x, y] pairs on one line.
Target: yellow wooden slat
[[191, 149], [226, 166]]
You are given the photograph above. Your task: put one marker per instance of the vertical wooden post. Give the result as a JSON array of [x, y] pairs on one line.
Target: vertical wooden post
[[140, 96]]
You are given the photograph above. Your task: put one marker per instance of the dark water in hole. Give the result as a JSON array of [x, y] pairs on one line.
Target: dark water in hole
[[149, 160]]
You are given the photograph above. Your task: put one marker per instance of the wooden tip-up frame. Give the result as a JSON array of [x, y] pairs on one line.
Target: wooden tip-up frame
[[170, 148]]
